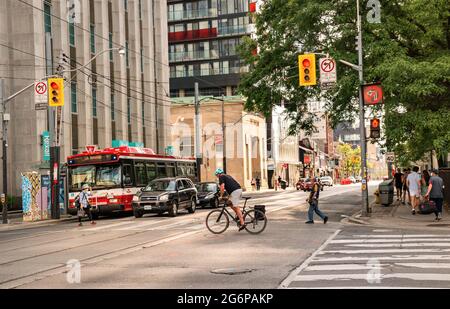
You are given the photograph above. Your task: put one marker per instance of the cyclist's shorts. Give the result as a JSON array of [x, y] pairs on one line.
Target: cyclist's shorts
[[235, 197]]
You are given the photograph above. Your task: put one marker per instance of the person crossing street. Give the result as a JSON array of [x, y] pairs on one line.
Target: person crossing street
[[313, 201]]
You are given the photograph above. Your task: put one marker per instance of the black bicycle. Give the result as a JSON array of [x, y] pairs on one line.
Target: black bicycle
[[218, 220]]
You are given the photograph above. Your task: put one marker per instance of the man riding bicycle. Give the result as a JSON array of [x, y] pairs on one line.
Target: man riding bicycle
[[234, 190]]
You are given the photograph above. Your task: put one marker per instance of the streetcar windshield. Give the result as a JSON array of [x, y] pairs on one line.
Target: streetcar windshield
[[97, 177]]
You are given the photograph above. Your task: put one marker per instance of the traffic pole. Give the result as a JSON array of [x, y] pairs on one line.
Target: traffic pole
[[198, 154], [5, 153], [362, 126], [224, 136]]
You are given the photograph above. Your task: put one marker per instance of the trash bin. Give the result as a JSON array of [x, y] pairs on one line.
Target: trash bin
[[283, 184], [386, 189]]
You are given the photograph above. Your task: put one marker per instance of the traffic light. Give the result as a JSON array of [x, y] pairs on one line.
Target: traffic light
[[56, 92], [307, 67], [375, 128]]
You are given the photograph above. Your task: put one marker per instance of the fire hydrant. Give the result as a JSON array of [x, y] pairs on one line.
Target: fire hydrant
[[377, 196]]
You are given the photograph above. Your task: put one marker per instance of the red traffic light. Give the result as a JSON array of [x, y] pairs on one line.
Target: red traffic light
[[54, 85], [306, 63], [375, 123]]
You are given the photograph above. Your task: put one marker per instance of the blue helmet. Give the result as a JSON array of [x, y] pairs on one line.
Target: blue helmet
[[219, 171]]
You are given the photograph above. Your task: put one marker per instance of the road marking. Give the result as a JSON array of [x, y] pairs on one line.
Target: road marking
[[332, 267], [398, 236], [355, 241], [163, 227], [400, 245], [286, 282], [364, 288], [425, 265], [109, 225], [385, 258], [411, 276], [140, 225], [383, 251]]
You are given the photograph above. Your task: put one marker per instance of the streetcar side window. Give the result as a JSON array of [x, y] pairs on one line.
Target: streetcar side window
[[151, 171], [162, 172], [141, 175], [171, 169], [181, 169], [127, 175]]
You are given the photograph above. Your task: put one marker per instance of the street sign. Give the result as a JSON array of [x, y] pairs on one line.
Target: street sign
[[40, 93], [46, 146], [327, 71], [41, 106], [390, 157], [373, 94], [3, 198]]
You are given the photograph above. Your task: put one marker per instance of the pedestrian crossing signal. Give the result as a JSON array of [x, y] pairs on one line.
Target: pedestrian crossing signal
[[307, 69], [56, 92], [375, 128]]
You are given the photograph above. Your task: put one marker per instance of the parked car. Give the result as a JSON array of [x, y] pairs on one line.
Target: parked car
[[358, 178], [166, 195], [307, 185], [346, 181], [352, 179], [326, 181], [208, 194]]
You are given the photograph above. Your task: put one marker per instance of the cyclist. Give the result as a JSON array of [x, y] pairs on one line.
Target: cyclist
[[234, 190]]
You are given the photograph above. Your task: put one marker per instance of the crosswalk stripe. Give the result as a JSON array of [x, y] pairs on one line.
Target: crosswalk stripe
[[397, 236], [332, 267], [383, 251], [356, 241], [384, 258], [163, 227], [401, 245], [103, 227], [140, 225], [411, 276]]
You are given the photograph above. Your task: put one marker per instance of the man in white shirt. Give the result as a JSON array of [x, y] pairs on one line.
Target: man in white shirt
[[413, 182]]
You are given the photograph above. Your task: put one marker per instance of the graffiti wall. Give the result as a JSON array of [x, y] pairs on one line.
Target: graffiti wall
[[34, 199]]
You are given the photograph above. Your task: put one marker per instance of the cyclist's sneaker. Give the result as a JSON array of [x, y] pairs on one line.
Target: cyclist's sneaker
[[242, 227]]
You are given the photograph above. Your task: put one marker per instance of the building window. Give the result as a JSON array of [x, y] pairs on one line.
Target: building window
[[94, 102], [47, 16], [125, 5], [129, 111], [111, 52], [113, 103], [72, 34], [73, 97], [92, 39]]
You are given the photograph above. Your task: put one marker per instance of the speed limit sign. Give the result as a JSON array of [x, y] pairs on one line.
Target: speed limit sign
[[3, 198]]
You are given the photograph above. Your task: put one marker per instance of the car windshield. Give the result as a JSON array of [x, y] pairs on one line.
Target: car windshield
[[207, 187], [161, 185], [95, 176]]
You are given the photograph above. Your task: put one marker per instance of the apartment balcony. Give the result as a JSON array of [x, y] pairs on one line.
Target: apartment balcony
[[193, 56], [192, 35], [234, 30], [191, 14]]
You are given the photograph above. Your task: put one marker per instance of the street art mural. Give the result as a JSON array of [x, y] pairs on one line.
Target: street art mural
[[34, 201]]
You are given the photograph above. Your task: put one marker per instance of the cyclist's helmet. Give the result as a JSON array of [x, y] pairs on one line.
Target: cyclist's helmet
[[219, 171]]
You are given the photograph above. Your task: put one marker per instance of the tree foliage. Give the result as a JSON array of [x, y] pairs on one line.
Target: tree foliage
[[408, 52], [350, 162]]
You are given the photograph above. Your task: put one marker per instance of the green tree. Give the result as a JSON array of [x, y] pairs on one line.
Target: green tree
[[408, 52], [350, 162]]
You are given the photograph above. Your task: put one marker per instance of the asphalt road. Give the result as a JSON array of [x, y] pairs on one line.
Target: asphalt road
[[163, 252]]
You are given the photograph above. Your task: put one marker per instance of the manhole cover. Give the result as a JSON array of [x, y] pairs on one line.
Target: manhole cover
[[232, 271], [439, 225]]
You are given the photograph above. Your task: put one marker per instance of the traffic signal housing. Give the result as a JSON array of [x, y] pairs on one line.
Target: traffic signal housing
[[56, 92], [375, 128], [307, 67]]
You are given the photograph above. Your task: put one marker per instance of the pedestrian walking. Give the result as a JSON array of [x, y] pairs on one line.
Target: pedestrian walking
[[398, 183], [413, 182], [405, 186], [253, 183], [435, 192], [313, 201], [84, 207], [258, 183], [424, 183]]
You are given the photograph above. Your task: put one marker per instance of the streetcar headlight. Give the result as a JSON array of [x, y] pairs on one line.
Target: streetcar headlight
[[135, 198], [164, 198]]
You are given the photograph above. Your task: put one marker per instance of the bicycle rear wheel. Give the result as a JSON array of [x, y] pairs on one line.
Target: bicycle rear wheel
[[217, 222], [255, 221]]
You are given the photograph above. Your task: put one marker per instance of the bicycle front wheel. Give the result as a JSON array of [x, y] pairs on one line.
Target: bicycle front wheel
[[217, 221], [255, 221]]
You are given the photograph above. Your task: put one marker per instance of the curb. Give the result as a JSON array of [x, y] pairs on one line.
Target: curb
[[29, 225]]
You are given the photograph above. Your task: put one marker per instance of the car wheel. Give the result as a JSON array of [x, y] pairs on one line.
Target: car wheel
[[214, 203], [138, 213], [173, 211], [192, 208]]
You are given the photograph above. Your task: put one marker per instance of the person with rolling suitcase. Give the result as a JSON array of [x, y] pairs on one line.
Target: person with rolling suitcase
[[436, 193]]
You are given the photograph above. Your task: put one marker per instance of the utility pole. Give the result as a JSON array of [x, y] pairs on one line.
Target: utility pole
[[224, 136], [5, 118], [362, 126], [198, 148]]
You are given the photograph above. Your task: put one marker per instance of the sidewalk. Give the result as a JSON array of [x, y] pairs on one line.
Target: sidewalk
[[18, 223], [398, 215]]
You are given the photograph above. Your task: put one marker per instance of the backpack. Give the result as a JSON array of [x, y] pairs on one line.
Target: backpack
[[427, 207]]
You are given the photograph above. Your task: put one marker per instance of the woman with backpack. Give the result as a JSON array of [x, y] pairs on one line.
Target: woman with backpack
[[83, 204]]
